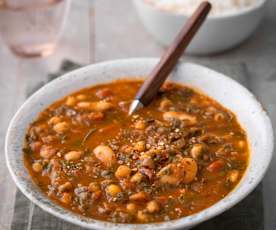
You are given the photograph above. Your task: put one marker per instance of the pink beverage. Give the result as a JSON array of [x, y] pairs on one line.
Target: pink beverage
[[31, 28]]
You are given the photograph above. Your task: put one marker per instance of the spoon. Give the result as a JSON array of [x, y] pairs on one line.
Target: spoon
[[169, 59]]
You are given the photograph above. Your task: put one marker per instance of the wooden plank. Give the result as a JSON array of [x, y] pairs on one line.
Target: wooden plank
[[7, 102], [17, 74]]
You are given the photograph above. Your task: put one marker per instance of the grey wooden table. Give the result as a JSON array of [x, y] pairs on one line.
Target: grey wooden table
[[99, 30]]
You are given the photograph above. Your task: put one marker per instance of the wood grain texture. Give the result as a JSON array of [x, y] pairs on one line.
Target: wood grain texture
[[17, 75], [171, 56]]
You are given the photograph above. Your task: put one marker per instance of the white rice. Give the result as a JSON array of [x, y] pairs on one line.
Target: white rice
[[187, 7]]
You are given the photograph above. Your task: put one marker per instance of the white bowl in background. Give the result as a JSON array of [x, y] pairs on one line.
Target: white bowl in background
[[250, 114], [218, 33]]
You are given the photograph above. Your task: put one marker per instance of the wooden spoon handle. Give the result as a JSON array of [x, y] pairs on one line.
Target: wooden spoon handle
[[159, 74]]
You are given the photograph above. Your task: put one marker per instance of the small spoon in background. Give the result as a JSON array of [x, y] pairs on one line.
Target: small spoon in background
[[168, 61]]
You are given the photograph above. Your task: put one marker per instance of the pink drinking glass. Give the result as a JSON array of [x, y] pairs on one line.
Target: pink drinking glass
[[32, 28]]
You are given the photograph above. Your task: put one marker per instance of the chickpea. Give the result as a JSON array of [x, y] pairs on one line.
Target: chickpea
[[196, 151], [142, 216], [140, 125], [140, 146], [131, 208], [37, 167], [66, 198], [137, 178], [94, 187], [61, 127], [47, 151], [54, 120], [113, 190], [171, 115], [123, 171], [153, 206], [105, 154], [73, 155], [139, 196], [71, 101], [65, 187], [233, 176]]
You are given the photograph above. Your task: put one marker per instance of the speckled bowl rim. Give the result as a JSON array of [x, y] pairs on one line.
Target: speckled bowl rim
[[13, 147]]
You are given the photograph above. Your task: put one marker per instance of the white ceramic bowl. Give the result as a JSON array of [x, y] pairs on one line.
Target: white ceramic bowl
[[217, 34], [228, 92]]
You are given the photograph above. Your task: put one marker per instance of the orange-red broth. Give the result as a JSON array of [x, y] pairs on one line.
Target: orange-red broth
[[181, 154]]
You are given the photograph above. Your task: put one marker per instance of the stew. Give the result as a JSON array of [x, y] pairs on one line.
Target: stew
[[178, 156]]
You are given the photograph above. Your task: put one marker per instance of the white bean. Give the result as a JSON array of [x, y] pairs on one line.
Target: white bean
[[180, 172], [137, 178], [190, 169], [105, 154], [71, 101], [139, 196], [171, 115], [54, 120], [99, 106], [61, 127], [73, 155]]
